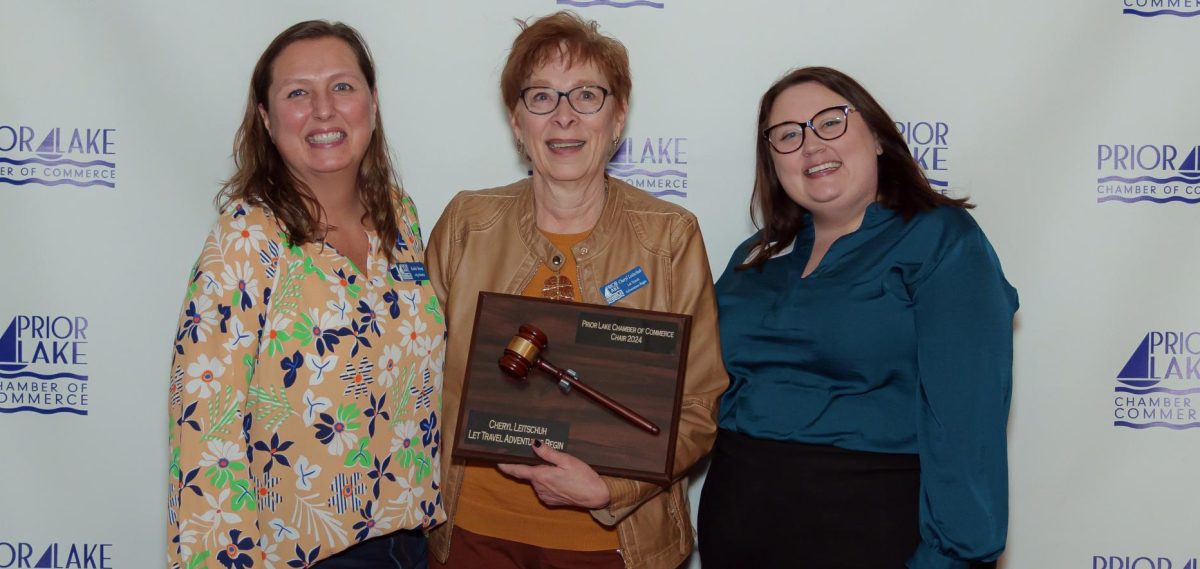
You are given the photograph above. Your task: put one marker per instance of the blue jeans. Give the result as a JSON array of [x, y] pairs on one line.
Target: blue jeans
[[403, 549]]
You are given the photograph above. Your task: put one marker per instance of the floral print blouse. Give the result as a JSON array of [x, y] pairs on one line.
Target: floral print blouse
[[304, 398]]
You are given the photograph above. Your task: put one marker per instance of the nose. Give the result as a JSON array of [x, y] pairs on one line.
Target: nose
[[322, 106], [812, 145], [564, 115]]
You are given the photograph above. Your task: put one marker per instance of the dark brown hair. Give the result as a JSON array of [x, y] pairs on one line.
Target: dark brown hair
[[902, 185], [578, 40], [262, 176]]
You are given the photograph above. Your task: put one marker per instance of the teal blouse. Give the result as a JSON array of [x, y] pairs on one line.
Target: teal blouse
[[900, 341]]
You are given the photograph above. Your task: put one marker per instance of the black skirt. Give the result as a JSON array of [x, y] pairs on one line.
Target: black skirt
[[782, 504]]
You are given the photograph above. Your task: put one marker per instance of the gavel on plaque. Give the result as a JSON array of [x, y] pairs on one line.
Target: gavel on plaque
[[524, 351]]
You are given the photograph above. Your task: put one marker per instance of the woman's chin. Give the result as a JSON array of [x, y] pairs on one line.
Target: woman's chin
[[330, 169], [566, 173]]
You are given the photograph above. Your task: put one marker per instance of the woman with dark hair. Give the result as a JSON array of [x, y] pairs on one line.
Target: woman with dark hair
[[564, 233], [307, 356], [867, 332]]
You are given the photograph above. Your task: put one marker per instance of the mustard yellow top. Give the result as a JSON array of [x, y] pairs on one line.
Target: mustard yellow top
[[495, 505]]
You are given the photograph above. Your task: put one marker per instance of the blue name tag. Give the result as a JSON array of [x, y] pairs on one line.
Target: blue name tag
[[624, 285], [409, 272]]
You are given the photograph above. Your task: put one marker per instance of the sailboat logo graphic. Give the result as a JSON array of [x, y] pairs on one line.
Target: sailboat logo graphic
[[1190, 166], [8, 349], [49, 148], [1137, 372]]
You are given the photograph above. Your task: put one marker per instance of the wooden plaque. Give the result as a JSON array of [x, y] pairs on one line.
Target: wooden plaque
[[637, 357]]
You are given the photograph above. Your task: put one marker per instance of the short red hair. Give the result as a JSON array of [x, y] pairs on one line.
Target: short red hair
[[568, 35]]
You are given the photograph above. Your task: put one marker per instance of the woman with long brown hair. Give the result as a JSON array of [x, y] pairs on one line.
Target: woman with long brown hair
[[303, 430]]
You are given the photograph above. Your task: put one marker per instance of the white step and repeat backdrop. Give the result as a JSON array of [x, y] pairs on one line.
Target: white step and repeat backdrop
[[1073, 126]]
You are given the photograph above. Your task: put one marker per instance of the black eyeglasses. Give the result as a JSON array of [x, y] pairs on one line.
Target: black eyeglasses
[[585, 99], [788, 137]]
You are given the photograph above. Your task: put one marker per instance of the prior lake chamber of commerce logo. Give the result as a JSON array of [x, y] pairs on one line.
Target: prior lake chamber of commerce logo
[[1159, 386], [656, 165], [928, 141], [1155, 173], [43, 364], [1152, 8], [24, 555], [612, 3], [57, 156]]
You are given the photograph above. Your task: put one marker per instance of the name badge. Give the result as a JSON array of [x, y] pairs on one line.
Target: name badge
[[409, 272], [624, 285]]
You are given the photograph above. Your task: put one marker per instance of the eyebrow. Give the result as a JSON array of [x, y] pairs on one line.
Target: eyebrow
[[534, 82], [814, 115], [309, 78]]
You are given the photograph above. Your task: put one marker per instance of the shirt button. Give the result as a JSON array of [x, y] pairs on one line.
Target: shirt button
[[583, 250], [556, 260]]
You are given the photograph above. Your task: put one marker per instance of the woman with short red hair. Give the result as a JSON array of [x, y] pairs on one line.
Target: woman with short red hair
[[562, 234]]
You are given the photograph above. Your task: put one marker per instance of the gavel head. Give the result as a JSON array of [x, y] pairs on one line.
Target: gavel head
[[523, 351]]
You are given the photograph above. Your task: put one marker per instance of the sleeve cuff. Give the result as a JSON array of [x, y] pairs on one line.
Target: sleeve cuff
[[608, 515], [926, 557], [625, 497]]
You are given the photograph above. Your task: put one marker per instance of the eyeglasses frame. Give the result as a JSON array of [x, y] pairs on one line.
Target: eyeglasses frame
[[846, 110], [567, 95]]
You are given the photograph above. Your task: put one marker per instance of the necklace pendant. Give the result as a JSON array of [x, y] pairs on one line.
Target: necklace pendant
[[558, 287]]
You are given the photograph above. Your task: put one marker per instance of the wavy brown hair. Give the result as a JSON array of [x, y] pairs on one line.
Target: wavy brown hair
[[262, 176], [902, 186]]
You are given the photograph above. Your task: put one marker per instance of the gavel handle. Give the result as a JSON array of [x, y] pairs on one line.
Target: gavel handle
[[604, 400]]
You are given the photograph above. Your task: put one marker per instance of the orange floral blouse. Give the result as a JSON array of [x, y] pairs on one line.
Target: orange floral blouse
[[304, 397]]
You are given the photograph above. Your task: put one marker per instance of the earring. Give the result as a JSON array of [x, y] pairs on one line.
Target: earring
[[615, 143], [520, 148]]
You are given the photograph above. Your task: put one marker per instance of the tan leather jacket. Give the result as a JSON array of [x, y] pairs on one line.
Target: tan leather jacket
[[488, 241]]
